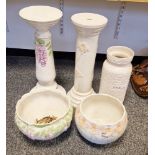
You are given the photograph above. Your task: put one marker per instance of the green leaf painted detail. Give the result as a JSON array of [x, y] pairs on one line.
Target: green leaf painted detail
[[49, 47], [40, 41], [50, 52], [48, 44]]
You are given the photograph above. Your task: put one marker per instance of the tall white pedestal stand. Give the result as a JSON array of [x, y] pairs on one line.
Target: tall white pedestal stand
[[88, 26], [42, 18]]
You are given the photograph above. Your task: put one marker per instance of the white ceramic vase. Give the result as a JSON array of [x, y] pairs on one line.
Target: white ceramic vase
[[88, 26], [101, 118], [116, 71], [42, 18]]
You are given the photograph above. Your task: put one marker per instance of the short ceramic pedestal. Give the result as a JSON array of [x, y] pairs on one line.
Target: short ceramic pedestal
[[42, 18], [88, 28]]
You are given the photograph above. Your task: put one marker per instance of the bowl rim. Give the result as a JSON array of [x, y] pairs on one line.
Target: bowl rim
[[109, 124], [40, 90]]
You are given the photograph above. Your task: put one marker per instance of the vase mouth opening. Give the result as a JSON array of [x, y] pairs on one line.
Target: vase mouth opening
[[120, 54]]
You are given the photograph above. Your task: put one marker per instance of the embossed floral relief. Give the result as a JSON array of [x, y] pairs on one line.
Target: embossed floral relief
[[46, 132], [81, 50], [106, 132]]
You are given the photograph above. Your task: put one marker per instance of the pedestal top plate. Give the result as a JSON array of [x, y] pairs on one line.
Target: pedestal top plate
[[89, 20], [41, 17]]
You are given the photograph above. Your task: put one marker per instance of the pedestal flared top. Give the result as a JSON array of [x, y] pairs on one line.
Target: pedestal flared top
[[89, 20], [40, 13], [41, 17]]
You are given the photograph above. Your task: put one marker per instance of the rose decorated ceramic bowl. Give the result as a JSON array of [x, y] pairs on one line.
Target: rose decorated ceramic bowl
[[43, 114], [101, 118]]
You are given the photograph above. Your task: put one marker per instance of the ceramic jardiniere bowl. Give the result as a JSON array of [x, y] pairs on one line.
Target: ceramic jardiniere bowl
[[101, 119], [35, 110]]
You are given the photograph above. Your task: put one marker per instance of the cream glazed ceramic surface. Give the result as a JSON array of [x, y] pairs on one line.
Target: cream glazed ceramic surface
[[40, 103], [116, 71], [42, 18], [101, 119], [88, 26]]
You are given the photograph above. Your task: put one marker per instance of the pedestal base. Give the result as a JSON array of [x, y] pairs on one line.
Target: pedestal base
[[53, 87], [76, 97]]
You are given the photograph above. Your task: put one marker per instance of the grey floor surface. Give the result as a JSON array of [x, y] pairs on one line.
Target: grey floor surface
[[21, 78]]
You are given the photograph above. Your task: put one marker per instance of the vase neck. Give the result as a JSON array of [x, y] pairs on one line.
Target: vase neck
[[43, 34]]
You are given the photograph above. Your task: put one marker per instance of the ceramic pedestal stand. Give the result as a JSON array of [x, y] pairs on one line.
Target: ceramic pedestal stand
[[42, 18], [88, 28]]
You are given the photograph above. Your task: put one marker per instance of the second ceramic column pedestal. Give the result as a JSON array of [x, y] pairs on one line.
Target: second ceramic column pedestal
[[88, 28]]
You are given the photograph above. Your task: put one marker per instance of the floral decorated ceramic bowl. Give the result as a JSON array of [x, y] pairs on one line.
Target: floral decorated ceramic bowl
[[43, 114], [101, 118]]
